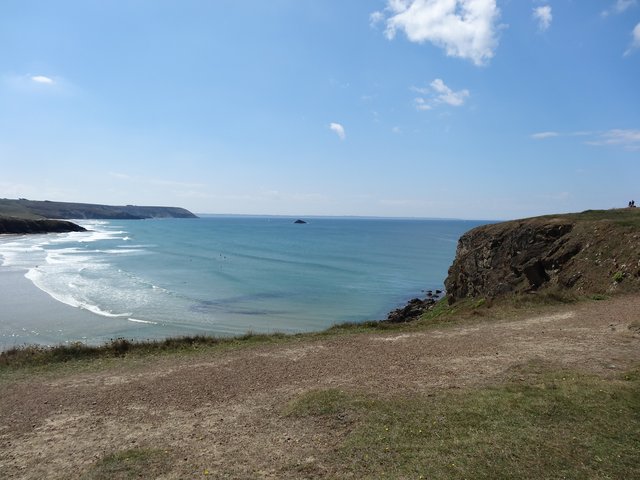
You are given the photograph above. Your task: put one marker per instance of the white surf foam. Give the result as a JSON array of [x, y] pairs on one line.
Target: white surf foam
[[39, 279], [142, 321]]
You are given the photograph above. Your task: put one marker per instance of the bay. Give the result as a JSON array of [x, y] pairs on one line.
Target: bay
[[226, 275]]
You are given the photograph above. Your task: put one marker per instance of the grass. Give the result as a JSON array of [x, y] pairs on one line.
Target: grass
[[625, 217], [35, 355], [130, 464], [541, 424]]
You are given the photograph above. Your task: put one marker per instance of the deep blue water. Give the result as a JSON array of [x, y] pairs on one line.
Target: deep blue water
[[227, 275]]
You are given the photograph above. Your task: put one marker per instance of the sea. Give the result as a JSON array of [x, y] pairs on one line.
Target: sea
[[227, 275]]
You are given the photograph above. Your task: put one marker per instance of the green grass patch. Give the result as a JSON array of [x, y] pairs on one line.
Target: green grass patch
[[599, 297], [442, 311], [130, 464], [625, 217], [322, 402], [361, 327], [540, 425]]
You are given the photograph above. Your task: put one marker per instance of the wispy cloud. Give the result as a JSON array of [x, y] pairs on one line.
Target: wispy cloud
[[120, 176], [543, 135], [629, 139], [618, 7], [38, 84], [463, 28], [42, 79], [338, 129], [635, 40], [375, 18], [543, 16], [439, 93]]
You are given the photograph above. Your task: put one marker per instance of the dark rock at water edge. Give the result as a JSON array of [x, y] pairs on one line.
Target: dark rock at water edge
[[28, 226], [300, 222], [414, 309]]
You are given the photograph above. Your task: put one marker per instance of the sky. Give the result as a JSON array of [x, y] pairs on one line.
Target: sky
[[475, 109]]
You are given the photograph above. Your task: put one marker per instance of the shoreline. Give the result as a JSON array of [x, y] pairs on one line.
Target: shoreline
[[43, 320], [47, 322]]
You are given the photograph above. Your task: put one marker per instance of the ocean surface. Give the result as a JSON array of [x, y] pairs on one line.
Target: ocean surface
[[229, 275]]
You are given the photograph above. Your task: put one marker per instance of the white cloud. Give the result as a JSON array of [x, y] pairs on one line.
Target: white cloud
[[635, 42], [438, 93], [375, 18], [42, 79], [120, 176], [543, 16], [463, 28], [448, 96], [338, 129], [543, 135], [618, 7], [29, 83], [421, 104], [628, 139]]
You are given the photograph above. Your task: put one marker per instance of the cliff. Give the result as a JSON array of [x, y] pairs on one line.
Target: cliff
[[23, 208], [25, 225], [594, 252]]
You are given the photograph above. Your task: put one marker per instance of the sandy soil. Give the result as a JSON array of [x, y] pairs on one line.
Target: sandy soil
[[223, 411]]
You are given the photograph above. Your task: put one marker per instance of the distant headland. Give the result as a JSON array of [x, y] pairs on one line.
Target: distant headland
[[33, 216]]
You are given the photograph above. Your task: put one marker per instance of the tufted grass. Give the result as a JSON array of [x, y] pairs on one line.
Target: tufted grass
[[543, 423]]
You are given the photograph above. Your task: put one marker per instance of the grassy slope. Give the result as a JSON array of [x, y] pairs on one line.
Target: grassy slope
[[32, 209], [11, 208], [542, 423]]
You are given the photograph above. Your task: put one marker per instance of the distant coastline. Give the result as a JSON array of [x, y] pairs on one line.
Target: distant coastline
[[35, 209]]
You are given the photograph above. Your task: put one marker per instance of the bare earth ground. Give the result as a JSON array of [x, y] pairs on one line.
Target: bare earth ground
[[222, 411]]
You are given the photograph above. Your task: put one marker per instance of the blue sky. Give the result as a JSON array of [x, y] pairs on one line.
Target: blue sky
[[476, 109]]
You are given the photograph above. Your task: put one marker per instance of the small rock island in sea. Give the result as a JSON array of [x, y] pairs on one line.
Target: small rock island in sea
[[300, 222]]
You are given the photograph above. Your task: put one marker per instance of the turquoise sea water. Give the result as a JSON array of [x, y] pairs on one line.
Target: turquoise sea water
[[227, 275]]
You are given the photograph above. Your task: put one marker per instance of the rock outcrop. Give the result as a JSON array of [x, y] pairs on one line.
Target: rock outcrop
[[593, 252], [26, 226], [415, 308]]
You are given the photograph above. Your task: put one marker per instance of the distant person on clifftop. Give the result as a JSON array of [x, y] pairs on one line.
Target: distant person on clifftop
[[632, 204]]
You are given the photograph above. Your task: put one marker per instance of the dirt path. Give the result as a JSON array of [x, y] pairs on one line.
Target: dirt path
[[222, 411]]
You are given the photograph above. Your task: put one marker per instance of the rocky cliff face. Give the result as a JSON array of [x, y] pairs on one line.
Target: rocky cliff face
[[593, 252]]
